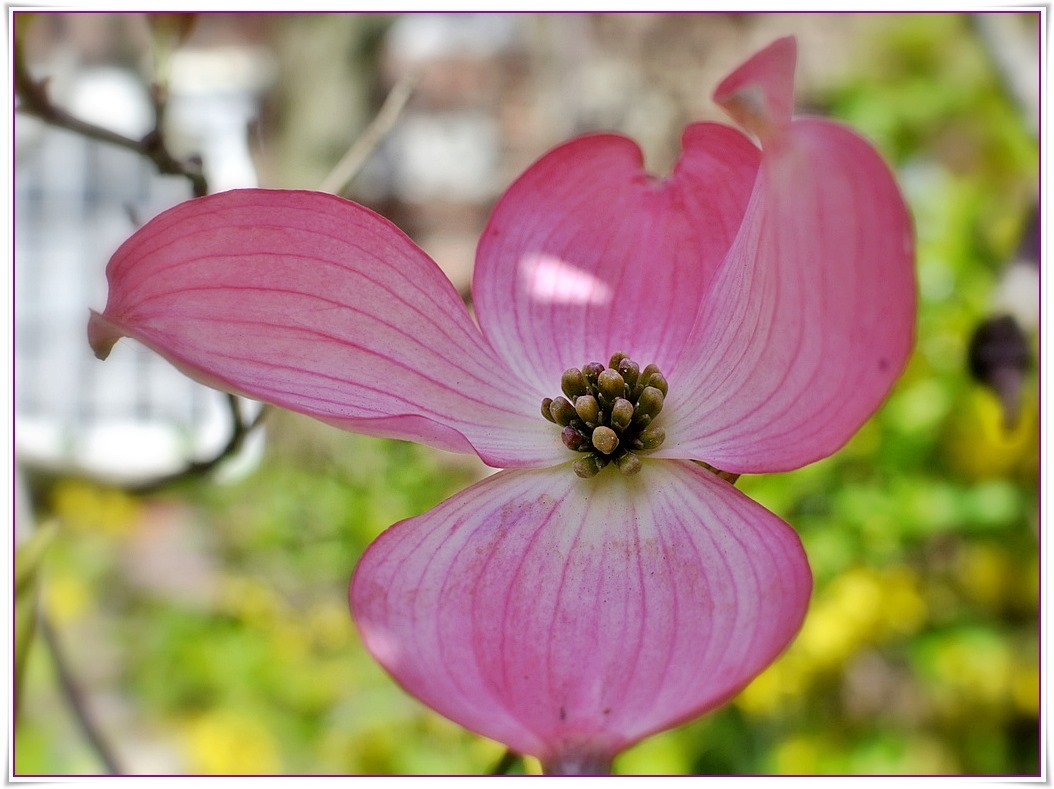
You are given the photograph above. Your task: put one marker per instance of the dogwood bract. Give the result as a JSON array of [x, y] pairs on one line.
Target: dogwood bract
[[748, 311]]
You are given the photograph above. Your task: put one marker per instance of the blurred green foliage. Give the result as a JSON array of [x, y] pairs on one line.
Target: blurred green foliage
[[920, 651]]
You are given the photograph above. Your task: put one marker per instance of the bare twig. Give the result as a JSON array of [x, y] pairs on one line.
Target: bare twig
[[33, 100], [240, 430], [349, 166], [75, 698]]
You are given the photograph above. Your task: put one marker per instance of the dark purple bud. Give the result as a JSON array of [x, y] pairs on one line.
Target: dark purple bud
[[573, 439], [592, 372]]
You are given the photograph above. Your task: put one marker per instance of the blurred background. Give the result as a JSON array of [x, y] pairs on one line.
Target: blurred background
[[201, 626]]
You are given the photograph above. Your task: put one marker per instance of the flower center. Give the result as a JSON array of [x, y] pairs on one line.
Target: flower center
[[607, 413]]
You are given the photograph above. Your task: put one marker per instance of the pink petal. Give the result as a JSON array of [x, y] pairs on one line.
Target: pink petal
[[587, 254], [811, 318], [570, 618], [760, 93], [321, 306]]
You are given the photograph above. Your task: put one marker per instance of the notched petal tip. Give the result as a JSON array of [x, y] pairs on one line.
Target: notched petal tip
[[759, 95], [102, 335]]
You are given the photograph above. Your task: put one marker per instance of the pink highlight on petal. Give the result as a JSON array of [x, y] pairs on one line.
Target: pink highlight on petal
[[759, 94], [571, 618], [548, 279]]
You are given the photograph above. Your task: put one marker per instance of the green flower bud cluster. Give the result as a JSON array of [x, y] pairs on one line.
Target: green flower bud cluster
[[606, 413]]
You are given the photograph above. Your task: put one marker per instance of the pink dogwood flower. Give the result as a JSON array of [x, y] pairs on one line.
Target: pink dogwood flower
[[748, 311]]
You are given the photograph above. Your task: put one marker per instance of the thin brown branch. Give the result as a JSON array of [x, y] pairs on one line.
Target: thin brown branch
[[33, 100], [75, 698], [352, 162], [240, 430]]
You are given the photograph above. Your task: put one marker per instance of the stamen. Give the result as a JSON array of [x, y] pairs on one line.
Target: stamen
[[605, 439], [611, 385], [591, 372], [659, 382], [546, 404], [649, 403], [573, 383], [621, 414], [588, 409], [562, 411], [587, 467], [628, 464], [647, 373], [607, 413], [630, 372], [651, 438]]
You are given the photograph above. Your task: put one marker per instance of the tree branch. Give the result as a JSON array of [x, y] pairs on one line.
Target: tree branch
[[352, 162], [240, 431], [33, 100]]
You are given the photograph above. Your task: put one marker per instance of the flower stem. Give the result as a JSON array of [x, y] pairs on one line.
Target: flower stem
[[575, 763]]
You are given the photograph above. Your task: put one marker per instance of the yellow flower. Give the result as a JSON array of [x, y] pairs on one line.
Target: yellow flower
[[222, 743], [979, 446]]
